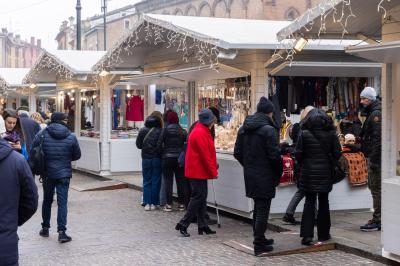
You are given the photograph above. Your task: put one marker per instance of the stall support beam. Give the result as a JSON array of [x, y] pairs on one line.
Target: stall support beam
[[78, 108], [105, 124], [32, 101], [192, 102]]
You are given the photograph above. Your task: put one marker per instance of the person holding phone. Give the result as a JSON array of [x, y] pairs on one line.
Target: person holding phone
[[13, 135]]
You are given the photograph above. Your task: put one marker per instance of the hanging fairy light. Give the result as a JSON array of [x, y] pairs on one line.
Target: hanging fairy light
[[341, 12], [204, 51]]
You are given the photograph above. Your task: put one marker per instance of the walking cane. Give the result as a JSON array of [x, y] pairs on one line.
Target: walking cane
[[216, 205]]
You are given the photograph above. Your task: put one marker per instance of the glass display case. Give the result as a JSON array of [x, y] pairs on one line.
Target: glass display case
[[90, 113], [67, 105], [127, 110], [232, 99]]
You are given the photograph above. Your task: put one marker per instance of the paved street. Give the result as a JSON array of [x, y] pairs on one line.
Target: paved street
[[111, 228]]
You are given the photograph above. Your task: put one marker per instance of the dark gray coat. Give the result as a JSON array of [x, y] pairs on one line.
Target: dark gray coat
[[18, 200]]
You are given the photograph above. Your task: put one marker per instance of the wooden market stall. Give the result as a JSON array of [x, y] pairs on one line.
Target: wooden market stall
[[192, 65], [380, 28]]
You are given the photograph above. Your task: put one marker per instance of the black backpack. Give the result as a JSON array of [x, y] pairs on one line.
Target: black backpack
[[37, 160]]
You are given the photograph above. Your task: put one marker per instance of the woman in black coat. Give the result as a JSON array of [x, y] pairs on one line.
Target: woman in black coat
[[317, 147]]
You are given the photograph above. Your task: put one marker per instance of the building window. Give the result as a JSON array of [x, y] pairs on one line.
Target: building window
[[292, 14], [127, 24]]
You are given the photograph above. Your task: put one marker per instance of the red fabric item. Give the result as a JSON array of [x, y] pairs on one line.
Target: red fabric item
[[135, 109], [287, 177], [172, 118], [201, 157]]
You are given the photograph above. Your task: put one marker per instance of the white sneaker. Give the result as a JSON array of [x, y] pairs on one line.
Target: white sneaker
[[153, 207], [168, 208], [147, 207]]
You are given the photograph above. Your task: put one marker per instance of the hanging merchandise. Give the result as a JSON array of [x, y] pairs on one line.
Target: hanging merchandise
[[287, 177], [127, 112], [273, 93], [135, 109], [232, 99]]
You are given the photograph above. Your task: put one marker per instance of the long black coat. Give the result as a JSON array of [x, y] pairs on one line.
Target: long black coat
[[257, 150], [18, 200], [314, 162]]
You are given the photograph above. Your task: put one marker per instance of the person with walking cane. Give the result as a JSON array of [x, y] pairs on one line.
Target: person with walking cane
[[200, 165], [257, 150]]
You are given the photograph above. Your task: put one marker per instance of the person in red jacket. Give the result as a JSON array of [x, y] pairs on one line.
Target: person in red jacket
[[200, 165]]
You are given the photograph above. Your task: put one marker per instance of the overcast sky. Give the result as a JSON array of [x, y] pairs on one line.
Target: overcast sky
[[42, 18]]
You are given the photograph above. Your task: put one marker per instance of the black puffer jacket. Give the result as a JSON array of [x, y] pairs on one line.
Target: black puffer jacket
[[150, 145], [257, 150], [173, 140], [315, 164], [371, 135]]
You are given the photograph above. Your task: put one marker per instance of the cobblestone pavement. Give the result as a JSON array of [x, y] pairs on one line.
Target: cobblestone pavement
[[111, 228]]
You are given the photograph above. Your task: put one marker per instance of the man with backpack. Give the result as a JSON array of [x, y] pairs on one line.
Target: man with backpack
[[60, 147], [257, 150]]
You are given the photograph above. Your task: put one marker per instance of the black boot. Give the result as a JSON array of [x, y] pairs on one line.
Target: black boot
[[182, 230], [63, 237], [206, 230], [307, 241], [288, 218], [259, 251], [44, 232]]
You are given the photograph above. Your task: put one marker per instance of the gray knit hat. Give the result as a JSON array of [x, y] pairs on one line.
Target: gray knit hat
[[369, 93]]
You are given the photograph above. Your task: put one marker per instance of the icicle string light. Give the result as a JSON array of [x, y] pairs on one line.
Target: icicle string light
[[340, 11], [50, 65], [148, 33]]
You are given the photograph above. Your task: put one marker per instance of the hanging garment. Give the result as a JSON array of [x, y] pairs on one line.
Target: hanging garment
[[135, 109], [287, 177], [318, 94], [330, 93], [158, 96], [67, 102], [272, 93], [291, 97]]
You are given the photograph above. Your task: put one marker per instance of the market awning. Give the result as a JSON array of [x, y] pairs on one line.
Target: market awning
[[388, 52], [327, 69], [367, 20], [12, 77], [55, 65], [180, 77]]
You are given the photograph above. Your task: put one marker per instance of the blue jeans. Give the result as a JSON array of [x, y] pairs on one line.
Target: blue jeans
[[151, 169], [62, 187]]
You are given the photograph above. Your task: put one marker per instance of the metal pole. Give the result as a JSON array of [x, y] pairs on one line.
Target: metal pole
[[104, 9], [78, 24]]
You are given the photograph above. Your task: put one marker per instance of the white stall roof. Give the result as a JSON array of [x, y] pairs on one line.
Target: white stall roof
[[327, 69], [13, 76], [226, 33], [79, 62], [180, 77], [236, 33], [388, 52], [367, 20]]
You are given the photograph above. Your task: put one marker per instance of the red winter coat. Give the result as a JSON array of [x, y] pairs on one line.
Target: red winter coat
[[201, 158]]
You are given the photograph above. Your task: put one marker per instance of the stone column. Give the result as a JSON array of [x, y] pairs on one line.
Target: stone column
[[32, 100]]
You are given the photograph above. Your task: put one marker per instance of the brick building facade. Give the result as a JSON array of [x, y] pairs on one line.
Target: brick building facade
[[121, 20], [17, 53]]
